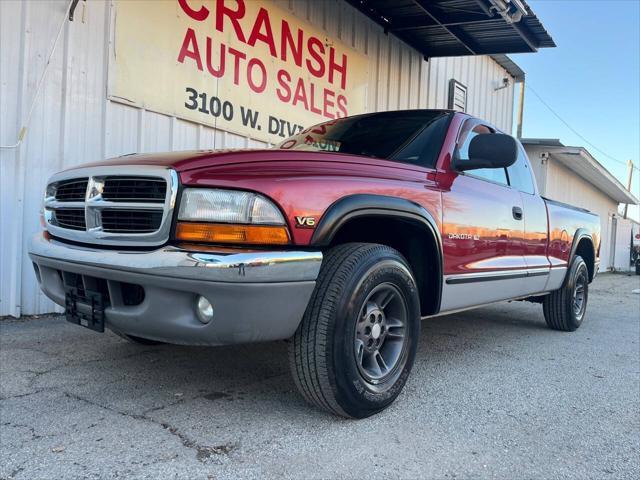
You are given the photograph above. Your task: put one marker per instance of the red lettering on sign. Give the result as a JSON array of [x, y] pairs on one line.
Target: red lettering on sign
[[328, 103], [220, 71], [262, 20], [256, 62], [194, 53], [342, 106], [318, 70], [284, 90], [233, 15], [236, 64], [288, 41], [341, 68], [312, 96], [300, 95], [309, 53], [199, 15]]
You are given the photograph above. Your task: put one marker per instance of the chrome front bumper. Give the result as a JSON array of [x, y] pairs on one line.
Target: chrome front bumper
[[257, 295]]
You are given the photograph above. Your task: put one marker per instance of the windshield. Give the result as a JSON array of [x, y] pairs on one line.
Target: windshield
[[412, 136]]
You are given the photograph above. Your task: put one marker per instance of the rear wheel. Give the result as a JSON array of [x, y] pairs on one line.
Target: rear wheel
[[565, 308], [355, 346]]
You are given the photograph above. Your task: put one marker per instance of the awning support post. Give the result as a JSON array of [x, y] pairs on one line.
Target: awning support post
[[520, 109], [626, 205]]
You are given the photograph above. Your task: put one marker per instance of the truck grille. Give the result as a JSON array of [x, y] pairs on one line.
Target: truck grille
[[131, 221], [72, 218], [134, 189], [112, 205], [72, 190]]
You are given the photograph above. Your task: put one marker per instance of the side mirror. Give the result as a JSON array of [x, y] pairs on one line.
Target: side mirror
[[489, 150]]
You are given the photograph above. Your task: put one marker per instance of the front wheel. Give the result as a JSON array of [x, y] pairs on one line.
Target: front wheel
[[357, 341], [565, 308]]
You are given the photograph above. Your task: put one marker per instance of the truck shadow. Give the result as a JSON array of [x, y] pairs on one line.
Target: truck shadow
[[255, 379]]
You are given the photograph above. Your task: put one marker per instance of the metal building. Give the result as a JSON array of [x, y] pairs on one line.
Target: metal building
[[60, 108], [574, 176]]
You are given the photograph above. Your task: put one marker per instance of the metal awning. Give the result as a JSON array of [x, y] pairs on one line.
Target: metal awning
[[449, 28], [582, 163]]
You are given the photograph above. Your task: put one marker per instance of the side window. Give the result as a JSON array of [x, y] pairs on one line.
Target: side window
[[496, 175], [424, 149], [520, 176]]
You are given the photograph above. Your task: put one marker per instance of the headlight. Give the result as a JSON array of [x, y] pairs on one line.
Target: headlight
[[50, 191], [228, 206], [229, 216]]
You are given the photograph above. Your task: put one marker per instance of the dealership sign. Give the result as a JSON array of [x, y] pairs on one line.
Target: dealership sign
[[245, 66]]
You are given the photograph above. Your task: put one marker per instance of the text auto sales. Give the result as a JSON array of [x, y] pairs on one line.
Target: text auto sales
[[309, 53]]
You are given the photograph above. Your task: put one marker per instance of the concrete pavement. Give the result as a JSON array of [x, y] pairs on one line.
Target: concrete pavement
[[493, 394]]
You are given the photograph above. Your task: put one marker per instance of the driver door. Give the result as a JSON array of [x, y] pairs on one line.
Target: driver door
[[482, 233]]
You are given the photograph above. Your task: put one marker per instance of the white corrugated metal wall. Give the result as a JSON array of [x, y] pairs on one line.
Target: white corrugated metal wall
[[73, 122], [621, 261], [559, 183]]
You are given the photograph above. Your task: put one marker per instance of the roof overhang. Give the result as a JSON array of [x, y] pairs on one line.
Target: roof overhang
[[510, 66], [449, 28], [580, 161]]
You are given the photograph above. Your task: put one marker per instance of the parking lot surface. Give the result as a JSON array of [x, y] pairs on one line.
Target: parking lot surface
[[493, 394]]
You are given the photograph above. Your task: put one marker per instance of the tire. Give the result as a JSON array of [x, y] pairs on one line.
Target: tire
[[565, 308], [365, 300]]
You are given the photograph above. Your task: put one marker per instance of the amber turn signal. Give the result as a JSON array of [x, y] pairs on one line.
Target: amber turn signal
[[231, 233]]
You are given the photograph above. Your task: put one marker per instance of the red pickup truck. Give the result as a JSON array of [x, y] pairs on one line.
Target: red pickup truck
[[340, 240]]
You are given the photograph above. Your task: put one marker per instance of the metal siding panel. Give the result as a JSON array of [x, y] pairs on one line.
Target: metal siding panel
[[185, 135], [444, 74], [361, 32], [622, 247], [302, 8], [156, 132], [12, 43], [207, 138], [473, 84], [565, 186], [122, 129], [404, 73], [382, 101], [313, 11], [373, 47], [332, 18], [347, 23], [252, 143], [414, 79], [423, 81], [42, 150]]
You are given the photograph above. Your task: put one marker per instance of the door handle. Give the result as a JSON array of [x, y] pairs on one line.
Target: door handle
[[517, 213]]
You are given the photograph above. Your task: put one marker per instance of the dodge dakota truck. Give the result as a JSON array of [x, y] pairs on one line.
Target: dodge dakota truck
[[340, 241]]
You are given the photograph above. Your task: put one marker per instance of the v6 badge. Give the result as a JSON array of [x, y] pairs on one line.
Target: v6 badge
[[305, 222]]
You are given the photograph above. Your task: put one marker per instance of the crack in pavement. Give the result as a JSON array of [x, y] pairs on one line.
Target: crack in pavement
[[37, 374], [21, 395], [30, 429], [203, 452]]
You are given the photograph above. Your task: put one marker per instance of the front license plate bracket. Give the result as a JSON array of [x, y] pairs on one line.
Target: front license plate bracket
[[85, 308]]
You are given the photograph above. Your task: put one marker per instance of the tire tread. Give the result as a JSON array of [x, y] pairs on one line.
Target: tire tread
[[309, 351], [557, 307]]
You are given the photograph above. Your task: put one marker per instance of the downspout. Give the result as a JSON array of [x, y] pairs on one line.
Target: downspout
[[520, 109]]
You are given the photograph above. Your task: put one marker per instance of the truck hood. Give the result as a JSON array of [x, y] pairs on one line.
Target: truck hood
[[199, 159]]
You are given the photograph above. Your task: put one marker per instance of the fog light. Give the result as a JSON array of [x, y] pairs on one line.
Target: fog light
[[204, 310]]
